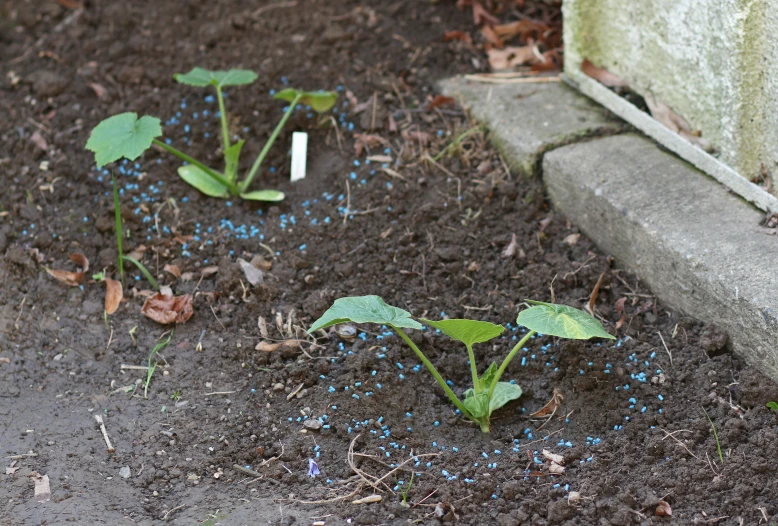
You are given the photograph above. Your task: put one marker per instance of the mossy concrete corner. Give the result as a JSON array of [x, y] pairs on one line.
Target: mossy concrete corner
[[531, 119], [695, 244]]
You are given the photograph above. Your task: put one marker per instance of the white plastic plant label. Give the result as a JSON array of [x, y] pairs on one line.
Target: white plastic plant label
[[299, 155]]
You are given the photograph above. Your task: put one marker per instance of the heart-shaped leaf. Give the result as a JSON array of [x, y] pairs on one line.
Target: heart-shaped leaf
[[562, 321], [364, 309], [263, 195], [468, 332], [194, 176], [202, 77], [123, 135], [320, 101], [503, 393], [231, 158], [477, 404]]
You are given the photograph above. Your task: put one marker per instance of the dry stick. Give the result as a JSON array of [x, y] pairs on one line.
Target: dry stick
[[247, 471], [23, 455], [21, 309], [220, 393], [523, 80], [164, 517], [666, 349], [134, 367], [672, 435], [348, 202], [99, 419], [269, 7]]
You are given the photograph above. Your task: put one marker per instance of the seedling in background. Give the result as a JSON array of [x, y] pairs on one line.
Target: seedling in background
[[772, 406], [153, 367], [127, 136], [488, 392], [121, 258]]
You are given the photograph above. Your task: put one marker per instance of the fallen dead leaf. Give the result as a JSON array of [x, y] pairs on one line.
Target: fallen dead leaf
[[555, 469], [261, 263], [663, 509], [482, 16], [620, 312], [113, 295], [80, 260], [207, 272], [438, 101], [253, 275], [42, 488], [370, 499], [551, 406], [572, 239], [525, 29], [448, 36], [511, 56], [674, 122], [422, 137], [3, 360], [74, 279], [164, 308], [267, 346], [595, 292], [367, 140], [512, 248], [491, 37], [39, 141], [99, 90], [601, 75], [553, 457], [262, 325], [173, 270]]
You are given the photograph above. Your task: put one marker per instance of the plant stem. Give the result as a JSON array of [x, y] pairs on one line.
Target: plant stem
[[507, 360], [118, 215], [477, 387], [223, 116], [435, 373], [266, 148], [143, 270], [715, 435], [232, 187]]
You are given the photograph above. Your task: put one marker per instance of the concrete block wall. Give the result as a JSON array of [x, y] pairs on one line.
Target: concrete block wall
[[714, 62]]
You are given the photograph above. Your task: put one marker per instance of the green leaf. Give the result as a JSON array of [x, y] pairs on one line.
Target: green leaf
[[123, 135], [320, 101], [477, 404], [488, 377], [468, 332], [562, 321], [231, 158], [364, 309], [202, 77], [772, 406], [504, 392], [263, 195], [194, 176]]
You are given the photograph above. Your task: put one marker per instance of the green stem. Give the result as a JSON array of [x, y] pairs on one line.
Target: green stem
[[223, 116], [143, 270], [232, 187], [265, 149], [118, 216], [435, 373], [474, 370], [507, 360]]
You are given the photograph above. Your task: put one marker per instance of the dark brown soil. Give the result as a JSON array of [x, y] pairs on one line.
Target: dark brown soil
[[632, 428]]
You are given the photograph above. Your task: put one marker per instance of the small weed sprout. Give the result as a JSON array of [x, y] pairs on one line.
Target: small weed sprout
[[715, 436], [772, 406], [488, 393], [121, 258], [406, 491], [151, 367], [127, 136], [176, 396]]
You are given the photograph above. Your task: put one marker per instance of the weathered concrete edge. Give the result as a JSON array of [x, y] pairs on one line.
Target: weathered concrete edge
[[691, 241]]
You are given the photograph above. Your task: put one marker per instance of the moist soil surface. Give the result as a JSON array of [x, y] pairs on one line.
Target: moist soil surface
[[430, 236]]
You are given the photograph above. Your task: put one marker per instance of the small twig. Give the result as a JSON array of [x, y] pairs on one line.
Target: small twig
[[164, 517], [523, 80], [672, 435], [348, 202], [21, 309], [23, 455], [99, 419], [134, 367], [270, 7], [220, 393], [666, 349], [247, 471]]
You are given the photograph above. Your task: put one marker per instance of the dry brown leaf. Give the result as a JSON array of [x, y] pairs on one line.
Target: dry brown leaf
[[438, 101], [81, 261], [551, 406], [595, 292], [39, 141], [491, 37], [511, 56], [663, 509], [601, 75], [99, 90], [138, 252], [366, 140], [572, 239], [173, 270], [267, 346], [512, 248], [620, 312], [3, 360], [207, 272], [261, 263], [448, 36], [553, 457], [42, 488], [482, 16], [253, 275], [74, 279], [524, 28], [555, 469], [414, 135], [262, 325], [164, 308], [113, 295]]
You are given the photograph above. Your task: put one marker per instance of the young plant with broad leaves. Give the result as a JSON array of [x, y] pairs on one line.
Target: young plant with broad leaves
[[127, 136], [488, 393]]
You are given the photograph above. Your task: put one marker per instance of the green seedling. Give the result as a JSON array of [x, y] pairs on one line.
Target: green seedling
[[772, 406], [406, 491], [121, 258], [488, 393], [151, 367], [127, 136], [176, 396]]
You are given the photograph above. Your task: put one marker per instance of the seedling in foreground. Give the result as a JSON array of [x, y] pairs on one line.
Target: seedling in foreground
[[121, 258], [153, 367], [127, 136], [488, 392]]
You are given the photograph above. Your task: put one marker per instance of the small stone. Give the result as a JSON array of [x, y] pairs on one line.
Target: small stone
[[47, 83], [313, 424], [125, 472], [278, 387]]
